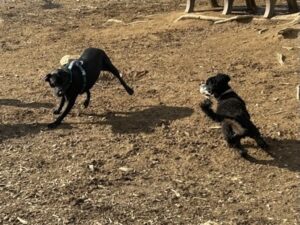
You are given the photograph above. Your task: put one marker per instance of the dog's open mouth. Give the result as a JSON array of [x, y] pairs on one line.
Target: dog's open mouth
[[204, 91]]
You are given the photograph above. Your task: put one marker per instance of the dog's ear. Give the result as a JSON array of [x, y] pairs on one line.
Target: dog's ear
[[224, 77], [47, 77]]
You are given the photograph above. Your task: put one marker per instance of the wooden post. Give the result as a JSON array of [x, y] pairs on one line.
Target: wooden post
[[227, 7], [269, 11], [293, 6], [190, 4]]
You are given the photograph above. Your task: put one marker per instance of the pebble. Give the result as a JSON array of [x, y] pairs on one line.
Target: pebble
[[22, 221], [125, 169]]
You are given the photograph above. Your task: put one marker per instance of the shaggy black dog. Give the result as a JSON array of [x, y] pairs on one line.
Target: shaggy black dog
[[79, 77], [231, 112]]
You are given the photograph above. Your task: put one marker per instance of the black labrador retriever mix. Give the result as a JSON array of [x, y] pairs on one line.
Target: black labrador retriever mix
[[78, 77], [231, 112]]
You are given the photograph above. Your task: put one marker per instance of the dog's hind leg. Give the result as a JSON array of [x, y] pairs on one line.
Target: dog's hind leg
[[235, 143], [61, 105], [254, 133], [260, 141], [233, 140], [108, 66], [87, 100]]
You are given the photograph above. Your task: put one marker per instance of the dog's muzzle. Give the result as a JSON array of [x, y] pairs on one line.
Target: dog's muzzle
[[204, 91]]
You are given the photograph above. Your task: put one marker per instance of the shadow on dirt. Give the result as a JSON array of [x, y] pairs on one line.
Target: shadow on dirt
[[285, 154], [18, 103], [144, 121], [9, 131], [49, 4]]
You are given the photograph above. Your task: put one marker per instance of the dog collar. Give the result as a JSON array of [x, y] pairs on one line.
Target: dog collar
[[65, 68], [226, 92], [78, 64]]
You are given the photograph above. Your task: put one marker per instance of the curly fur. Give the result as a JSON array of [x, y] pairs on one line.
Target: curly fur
[[231, 112]]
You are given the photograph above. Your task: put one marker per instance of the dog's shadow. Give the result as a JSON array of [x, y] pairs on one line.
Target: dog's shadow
[[285, 154], [143, 121], [18, 103], [10, 131], [49, 4]]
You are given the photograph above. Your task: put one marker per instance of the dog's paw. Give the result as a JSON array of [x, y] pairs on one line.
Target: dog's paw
[[243, 153], [264, 146], [56, 111], [207, 103], [130, 91], [86, 104], [53, 125]]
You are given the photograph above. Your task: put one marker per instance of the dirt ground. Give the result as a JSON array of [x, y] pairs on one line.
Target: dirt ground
[[151, 158]]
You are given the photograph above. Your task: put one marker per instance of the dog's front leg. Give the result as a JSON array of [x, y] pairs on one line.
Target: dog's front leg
[[71, 102], [61, 105], [87, 100]]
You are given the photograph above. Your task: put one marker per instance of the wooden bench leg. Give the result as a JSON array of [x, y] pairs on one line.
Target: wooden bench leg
[[190, 4], [293, 6], [227, 7], [269, 11]]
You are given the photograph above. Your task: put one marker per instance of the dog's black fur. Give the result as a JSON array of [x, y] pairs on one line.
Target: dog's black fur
[[231, 112], [69, 84]]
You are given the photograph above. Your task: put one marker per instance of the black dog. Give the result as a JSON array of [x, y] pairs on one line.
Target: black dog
[[231, 113], [78, 77]]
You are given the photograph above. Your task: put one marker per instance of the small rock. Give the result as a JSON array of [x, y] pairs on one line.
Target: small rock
[[186, 133], [239, 67], [235, 178], [113, 21], [125, 169], [176, 193], [271, 175], [92, 168], [209, 222], [288, 48], [280, 58], [22, 221], [263, 30]]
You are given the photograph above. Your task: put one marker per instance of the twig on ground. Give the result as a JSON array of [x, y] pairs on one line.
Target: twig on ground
[[234, 18]]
